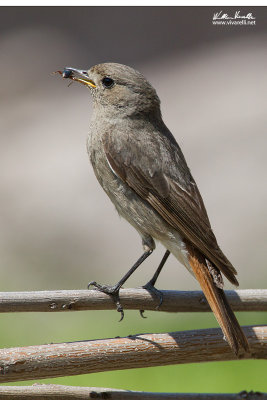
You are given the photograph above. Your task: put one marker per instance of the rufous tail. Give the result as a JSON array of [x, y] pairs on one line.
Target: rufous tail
[[210, 280]]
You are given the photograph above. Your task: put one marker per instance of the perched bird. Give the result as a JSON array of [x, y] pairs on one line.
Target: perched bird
[[142, 169]]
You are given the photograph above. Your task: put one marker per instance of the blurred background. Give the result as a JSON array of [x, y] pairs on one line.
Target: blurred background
[[58, 228]]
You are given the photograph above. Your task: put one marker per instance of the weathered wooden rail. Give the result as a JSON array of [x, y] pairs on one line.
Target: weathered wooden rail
[[137, 351]]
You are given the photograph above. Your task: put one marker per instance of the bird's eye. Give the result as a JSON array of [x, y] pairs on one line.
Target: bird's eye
[[107, 82]]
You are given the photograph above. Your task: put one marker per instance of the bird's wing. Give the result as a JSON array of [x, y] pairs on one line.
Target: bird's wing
[[156, 170]]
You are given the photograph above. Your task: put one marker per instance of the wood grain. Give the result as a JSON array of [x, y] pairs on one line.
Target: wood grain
[[63, 359], [134, 299]]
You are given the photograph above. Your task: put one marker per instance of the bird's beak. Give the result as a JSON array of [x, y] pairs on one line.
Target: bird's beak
[[77, 75]]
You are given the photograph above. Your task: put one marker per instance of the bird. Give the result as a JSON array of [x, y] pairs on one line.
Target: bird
[[142, 169]]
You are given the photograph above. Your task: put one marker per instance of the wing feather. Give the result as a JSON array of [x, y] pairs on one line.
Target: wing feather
[[168, 187]]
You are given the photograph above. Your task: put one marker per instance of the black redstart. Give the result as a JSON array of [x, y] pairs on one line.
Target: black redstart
[[142, 169]]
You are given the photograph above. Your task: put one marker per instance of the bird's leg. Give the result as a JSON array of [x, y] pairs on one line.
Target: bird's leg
[[150, 285], [154, 278], [113, 291]]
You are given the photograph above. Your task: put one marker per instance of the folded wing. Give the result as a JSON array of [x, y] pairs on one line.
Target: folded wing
[[168, 186]]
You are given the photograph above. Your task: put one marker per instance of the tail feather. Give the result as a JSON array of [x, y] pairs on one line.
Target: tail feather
[[218, 302]]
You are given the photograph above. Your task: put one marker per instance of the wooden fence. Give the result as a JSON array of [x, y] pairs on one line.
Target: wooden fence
[[135, 351]]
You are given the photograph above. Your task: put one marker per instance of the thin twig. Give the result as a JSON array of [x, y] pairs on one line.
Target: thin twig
[[37, 362], [134, 299], [55, 392]]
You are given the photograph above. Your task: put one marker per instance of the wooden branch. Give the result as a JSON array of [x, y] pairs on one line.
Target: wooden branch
[[134, 299], [62, 359], [55, 392]]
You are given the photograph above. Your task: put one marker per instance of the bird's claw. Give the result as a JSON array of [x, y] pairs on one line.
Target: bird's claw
[[142, 313], [120, 309], [113, 291], [93, 283], [103, 288], [157, 293]]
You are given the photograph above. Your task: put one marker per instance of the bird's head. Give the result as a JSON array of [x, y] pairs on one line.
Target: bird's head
[[117, 87]]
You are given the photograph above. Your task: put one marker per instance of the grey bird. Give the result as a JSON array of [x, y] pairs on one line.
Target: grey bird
[[142, 169]]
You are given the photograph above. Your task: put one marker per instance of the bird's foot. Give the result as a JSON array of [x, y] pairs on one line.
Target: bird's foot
[[113, 291], [157, 293]]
